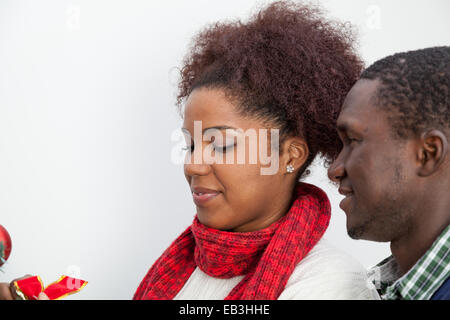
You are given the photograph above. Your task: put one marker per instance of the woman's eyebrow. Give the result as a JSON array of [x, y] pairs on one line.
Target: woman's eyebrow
[[219, 128], [214, 127]]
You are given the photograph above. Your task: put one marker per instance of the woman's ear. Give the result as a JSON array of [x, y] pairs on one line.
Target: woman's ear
[[432, 152], [295, 152]]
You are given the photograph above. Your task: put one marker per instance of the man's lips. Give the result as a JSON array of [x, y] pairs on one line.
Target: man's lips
[[203, 195], [345, 191], [348, 193]]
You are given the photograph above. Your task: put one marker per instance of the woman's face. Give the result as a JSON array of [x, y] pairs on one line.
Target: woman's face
[[233, 195]]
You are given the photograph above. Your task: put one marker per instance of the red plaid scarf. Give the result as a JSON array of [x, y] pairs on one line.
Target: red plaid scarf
[[266, 257]]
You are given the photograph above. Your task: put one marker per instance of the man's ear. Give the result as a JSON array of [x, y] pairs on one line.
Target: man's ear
[[295, 152], [432, 152]]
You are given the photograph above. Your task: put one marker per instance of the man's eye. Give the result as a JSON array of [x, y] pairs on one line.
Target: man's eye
[[351, 140]]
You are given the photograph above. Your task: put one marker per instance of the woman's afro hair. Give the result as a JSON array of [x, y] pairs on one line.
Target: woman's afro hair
[[286, 65]]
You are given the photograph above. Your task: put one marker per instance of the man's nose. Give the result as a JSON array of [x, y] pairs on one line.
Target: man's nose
[[336, 171]]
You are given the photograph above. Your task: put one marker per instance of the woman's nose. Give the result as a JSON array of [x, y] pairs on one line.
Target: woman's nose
[[192, 169], [194, 164]]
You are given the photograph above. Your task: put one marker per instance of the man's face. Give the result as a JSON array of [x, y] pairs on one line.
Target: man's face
[[374, 169]]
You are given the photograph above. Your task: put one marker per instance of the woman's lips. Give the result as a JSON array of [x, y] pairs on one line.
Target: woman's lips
[[201, 198], [203, 195]]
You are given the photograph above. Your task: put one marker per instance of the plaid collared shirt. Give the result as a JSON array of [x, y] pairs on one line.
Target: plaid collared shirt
[[422, 280]]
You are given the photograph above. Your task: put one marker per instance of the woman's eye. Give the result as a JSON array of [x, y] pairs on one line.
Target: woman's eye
[[223, 149], [188, 148]]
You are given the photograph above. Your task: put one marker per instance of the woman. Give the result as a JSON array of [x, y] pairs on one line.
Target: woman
[[258, 236]]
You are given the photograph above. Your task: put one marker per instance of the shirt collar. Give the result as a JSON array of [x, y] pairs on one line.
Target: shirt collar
[[422, 280]]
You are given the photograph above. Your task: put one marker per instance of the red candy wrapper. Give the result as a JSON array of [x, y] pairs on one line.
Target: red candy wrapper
[[64, 286]]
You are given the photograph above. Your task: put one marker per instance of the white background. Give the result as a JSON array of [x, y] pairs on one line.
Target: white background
[[87, 93]]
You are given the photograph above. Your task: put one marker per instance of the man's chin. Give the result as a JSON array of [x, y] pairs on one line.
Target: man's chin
[[362, 233], [359, 229], [356, 233]]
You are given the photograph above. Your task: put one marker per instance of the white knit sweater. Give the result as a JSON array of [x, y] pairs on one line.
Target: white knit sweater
[[324, 273]]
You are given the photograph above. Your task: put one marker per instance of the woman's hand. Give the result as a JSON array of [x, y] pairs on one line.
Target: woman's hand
[[8, 291], [5, 292]]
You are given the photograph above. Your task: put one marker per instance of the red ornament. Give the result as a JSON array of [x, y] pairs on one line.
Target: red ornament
[[5, 245]]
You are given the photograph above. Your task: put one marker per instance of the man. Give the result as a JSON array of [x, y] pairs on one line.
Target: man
[[394, 170]]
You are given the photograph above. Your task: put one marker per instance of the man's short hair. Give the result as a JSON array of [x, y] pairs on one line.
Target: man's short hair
[[414, 89]]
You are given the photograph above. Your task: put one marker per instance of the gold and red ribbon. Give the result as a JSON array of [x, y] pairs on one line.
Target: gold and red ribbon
[[64, 286]]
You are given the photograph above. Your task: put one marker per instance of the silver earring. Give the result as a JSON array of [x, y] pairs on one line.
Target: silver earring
[[290, 168]]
